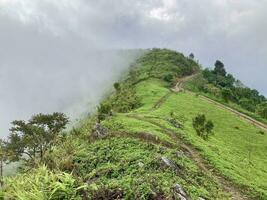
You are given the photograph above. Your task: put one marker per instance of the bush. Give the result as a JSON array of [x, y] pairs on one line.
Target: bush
[[42, 184], [103, 111], [262, 110], [227, 94], [117, 86], [126, 100], [202, 126], [168, 78], [247, 104]]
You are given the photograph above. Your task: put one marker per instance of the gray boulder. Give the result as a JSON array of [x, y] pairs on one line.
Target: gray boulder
[[100, 131], [169, 163], [179, 193]]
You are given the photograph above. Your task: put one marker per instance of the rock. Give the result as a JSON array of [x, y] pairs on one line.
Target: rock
[[179, 189], [179, 192], [200, 198], [100, 131], [169, 162], [140, 164], [181, 197]]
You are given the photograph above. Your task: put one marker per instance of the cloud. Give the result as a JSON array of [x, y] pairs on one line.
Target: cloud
[[47, 59]]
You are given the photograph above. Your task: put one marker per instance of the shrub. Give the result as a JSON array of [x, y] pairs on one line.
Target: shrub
[[247, 104], [42, 184], [126, 99], [117, 86], [227, 94], [262, 110], [103, 111], [202, 126], [168, 78]]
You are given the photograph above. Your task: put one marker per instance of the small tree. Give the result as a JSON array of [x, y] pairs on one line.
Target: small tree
[[117, 86], [227, 94], [168, 78], [103, 111], [34, 137], [219, 68], [202, 126], [191, 56]]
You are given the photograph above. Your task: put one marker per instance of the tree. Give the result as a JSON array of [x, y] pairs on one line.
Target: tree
[[219, 68], [168, 78], [247, 104], [202, 126], [36, 136], [227, 94], [103, 111], [117, 86], [229, 81], [209, 76], [262, 110], [191, 56]]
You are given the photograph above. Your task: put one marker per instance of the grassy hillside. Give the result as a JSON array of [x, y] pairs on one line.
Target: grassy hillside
[[143, 154]]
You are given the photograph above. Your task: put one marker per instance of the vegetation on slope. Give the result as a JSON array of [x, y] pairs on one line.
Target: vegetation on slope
[[142, 145], [222, 86]]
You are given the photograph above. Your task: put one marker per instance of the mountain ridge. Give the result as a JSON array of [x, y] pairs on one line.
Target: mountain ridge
[[141, 144]]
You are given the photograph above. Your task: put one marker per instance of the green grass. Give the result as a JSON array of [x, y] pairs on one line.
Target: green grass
[[127, 162], [150, 92], [237, 149], [192, 85], [122, 123], [135, 167]]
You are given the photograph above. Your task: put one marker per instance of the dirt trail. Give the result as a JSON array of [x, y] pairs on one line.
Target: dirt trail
[[161, 101], [179, 85], [179, 88], [228, 186], [241, 115]]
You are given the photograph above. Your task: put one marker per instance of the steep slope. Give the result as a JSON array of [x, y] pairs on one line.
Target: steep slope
[[134, 148]]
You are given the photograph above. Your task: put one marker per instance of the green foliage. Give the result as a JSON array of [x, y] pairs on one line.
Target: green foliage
[[127, 163], [191, 56], [42, 184], [247, 104], [104, 110], [227, 94], [136, 170], [232, 90], [202, 126], [219, 68], [36, 136], [176, 120], [216, 78], [168, 78], [117, 86], [262, 110], [125, 99], [158, 63]]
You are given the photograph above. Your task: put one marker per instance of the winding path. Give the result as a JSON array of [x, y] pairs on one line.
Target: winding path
[[179, 88], [228, 186]]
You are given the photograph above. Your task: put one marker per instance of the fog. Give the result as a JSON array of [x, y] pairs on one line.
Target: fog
[[43, 73], [57, 55]]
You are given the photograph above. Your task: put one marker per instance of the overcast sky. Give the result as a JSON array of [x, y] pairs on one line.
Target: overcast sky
[[48, 60]]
